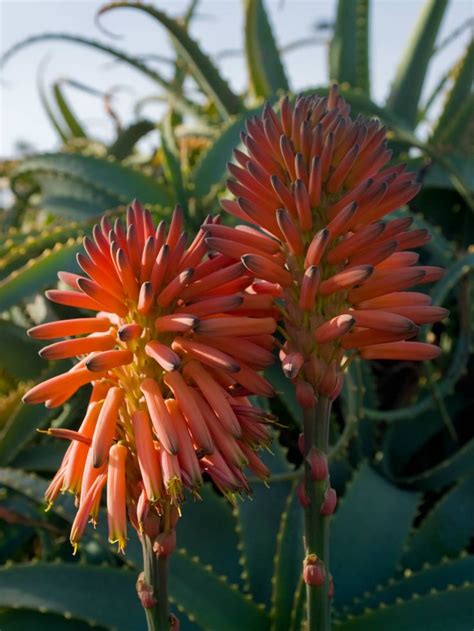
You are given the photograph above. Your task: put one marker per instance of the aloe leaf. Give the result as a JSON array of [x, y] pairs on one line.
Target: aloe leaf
[[22, 426], [208, 531], [383, 514], [447, 574], [19, 620], [457, 98], [127, 139], [19, 353], [288, 562], [446, 530], [406, 89], [203, 70], [33, 244], [38, 273], [210, 601], [349, 48], [205, 597], [172, 162], [259, 524], [42, 458], [86, 178], [452, 609], [76, 129], [446, 472], [48, 109], [135, 62], [211, 168], [265, 67], [75, 588]]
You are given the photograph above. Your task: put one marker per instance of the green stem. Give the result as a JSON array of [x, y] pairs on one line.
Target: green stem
[[155, 571], [316, 434]]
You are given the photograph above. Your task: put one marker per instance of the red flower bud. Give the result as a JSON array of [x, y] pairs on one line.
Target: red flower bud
[[165, 543], [318, 462], [329, 503], [174, 623], [313, 571], [302, 495], [145, 592], [305, 394]]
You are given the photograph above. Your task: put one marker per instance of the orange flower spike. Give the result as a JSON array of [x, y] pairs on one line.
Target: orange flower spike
[[150, 293], [321, 178], [116, 496], [106, 426]]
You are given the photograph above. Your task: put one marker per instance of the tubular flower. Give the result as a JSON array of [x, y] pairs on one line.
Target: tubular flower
[[172, 354], [314, 185]]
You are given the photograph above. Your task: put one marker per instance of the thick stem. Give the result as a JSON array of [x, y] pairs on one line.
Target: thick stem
[[155, 573], [316, 436]]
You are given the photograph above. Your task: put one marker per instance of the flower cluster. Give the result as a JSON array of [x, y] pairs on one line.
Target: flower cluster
[[314, 181], [172, 355]]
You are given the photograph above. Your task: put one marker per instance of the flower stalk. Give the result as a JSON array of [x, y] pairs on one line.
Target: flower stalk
[[317, 521]]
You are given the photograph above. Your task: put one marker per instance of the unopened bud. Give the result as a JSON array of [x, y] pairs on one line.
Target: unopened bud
[[329, 503], [145, 592], [313, 571], [305, 394], [165, 543], [337, 390], [329, 382], [302, 495], [318, 462], [291, 364]]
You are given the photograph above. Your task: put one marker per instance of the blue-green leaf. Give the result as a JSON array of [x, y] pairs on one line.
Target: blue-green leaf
[[19, 620], [265, 67], [449, 572], [349, 49], [446, 530], [288, 562], [208, 530], [77, 176], [127, 138], [259, 524], [406, 89], [211, 168], [38, 273], [76, 129], [452, 609], [203, 70], [19, 353], [368, 533], [77, 589]]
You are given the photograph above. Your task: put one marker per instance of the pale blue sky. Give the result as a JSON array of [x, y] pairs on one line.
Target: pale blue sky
[[218, 27]]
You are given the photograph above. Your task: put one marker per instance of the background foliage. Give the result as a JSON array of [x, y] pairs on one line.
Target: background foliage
[[403, 440]]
